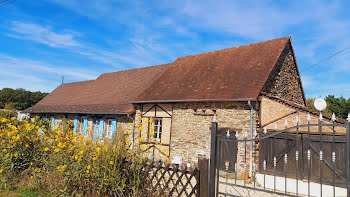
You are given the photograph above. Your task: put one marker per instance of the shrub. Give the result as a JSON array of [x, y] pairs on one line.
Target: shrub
[[59, 162]]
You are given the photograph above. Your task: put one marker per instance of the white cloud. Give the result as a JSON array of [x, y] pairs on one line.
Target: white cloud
[[38, 75], [43, 35], [24, 65]]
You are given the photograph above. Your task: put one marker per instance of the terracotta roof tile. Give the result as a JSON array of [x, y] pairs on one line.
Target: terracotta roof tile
[[109, 93], [234, 73]]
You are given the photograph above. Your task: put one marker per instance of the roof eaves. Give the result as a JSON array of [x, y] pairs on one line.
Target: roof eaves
[[65, 112], [191, 100]]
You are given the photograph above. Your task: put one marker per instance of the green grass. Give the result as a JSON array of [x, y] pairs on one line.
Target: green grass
[[29, 193], [20, 193]]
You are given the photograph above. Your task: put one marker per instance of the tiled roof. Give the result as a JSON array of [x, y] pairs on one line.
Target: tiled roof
[[109, 93], [234, 73]]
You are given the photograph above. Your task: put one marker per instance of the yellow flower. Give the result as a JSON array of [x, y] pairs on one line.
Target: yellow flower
[[151, 119], [151, 133], [1, 170], [111, 162], [98, 149], [131, 124], [57, 150], [54, 126], [139, 139], [141, 128], [88, 167], [15, 155], [27, 145], [152, 128], [166, 154], [81, 152], [13, 118], [31, 177], [4, 150], [31, 163], [143, 146], [94, 158], [162, 151], [37, 170], [127, 141], [61, 168], [127, 131], [87, 171], [7, 155], [46, 149], [76, 157]]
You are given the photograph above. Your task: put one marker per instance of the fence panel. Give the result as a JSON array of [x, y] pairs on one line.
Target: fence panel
[[171, 180]]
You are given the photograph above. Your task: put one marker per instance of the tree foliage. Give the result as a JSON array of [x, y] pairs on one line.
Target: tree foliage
[[338, 105], [19, 99]]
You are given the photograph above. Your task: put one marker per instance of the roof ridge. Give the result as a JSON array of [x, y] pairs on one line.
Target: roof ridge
[[133, 69], [91, 80], [246, 45]]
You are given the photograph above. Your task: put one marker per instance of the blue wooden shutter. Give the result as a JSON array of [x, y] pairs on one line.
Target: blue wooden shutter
[[114, 127], [85, 125], [52, 122], [75, 124], [101, 128]]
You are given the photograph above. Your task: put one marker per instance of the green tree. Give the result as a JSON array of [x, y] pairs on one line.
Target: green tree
[[20, 98], [340, 106]]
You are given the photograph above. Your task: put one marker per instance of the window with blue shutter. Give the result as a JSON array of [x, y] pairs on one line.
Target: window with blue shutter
[[75, 124], [85, 125], [96, 128], [52, 122], [114, 127], [101, 128]]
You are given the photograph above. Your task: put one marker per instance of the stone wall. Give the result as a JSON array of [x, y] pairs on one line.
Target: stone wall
[[284, 81], [272, 112], [191, 127]]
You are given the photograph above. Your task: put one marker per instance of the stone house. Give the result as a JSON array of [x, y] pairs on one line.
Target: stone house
[[172, 105]]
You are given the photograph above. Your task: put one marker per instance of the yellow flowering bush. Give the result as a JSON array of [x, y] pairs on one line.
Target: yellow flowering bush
[[60, 162]]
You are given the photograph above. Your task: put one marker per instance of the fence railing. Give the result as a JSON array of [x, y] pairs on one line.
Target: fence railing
[[162, 179], [280, 160]]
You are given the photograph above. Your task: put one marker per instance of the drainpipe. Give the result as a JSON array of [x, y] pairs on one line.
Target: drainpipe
[[251, 137]]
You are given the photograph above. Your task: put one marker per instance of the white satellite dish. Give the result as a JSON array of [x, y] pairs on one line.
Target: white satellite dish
[[320, 104]]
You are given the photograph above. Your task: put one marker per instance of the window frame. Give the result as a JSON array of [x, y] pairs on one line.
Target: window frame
[[109, 131], [157, 129], [81, 120], [97, 125]]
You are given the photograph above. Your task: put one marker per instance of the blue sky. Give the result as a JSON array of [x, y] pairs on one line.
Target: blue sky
[[44, 40]]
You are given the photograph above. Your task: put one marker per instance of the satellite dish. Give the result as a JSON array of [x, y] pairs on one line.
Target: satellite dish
[[320, 104]]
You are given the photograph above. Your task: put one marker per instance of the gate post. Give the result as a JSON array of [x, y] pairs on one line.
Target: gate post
[[203, 165], [214, 126], [348, 157]]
